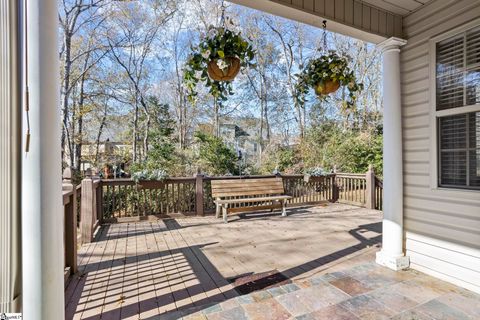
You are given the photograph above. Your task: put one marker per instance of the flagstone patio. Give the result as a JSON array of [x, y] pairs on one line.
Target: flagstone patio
[[317, 263], [364, 292]]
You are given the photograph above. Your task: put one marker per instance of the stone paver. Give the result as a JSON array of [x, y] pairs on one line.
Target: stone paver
[[351, 286], [335, 312], [440, 311], [367, 307]]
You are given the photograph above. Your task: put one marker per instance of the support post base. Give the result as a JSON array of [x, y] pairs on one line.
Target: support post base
[[392, 262]]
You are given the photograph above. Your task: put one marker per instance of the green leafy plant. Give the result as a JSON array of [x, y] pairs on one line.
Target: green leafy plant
[[215, 156], [320, 72], [220, 46]]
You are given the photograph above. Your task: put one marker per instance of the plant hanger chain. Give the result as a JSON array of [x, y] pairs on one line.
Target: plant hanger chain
[[223, 8], [324, 37]]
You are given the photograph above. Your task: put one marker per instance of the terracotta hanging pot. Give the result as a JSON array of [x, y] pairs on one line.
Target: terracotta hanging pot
[[327, 87], [217, 74]]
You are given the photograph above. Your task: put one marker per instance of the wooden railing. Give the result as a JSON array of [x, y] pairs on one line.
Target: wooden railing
[[125, 198], [352, 188], [365, 190], [114, 199], [70, 224]]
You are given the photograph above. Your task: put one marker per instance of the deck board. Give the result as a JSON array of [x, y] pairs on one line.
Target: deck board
[[138, 270]]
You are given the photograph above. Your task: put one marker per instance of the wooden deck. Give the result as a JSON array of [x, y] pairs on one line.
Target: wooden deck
[[142, 269]]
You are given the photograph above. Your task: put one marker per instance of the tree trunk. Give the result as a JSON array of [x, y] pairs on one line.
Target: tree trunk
[[135, 128], [145, 138], [66, 91], [99, 135], [216, 118]]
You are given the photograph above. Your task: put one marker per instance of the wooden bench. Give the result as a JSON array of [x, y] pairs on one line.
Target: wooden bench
[[231, 192]]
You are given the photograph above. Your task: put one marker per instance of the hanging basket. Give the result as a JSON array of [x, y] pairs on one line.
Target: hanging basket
[[217, 74], [327, 87]]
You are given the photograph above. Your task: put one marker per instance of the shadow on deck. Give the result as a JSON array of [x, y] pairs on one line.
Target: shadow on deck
[[141, 270]]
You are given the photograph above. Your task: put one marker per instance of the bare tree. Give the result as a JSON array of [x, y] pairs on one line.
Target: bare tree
[[75, 17], [291, 60], [132, 53]]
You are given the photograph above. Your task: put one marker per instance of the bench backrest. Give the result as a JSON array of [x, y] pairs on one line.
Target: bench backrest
[[247, 187]]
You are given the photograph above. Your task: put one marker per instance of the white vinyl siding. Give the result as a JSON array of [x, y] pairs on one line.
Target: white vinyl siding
[[442, 225]]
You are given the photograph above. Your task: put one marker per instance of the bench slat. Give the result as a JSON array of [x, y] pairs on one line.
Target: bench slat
[[259, 180], [249, 185], [260, 199], [235, 193], [253, 209], [243, 185]]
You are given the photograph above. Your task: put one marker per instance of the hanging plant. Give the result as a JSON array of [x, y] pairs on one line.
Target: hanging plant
[[325, 75], [216, 61]]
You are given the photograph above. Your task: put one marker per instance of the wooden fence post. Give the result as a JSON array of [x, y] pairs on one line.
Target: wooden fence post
[[199, 193], [370, 192], [88, 208], [70, 222]]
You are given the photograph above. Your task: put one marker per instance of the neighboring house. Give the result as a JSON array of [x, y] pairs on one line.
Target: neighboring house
[[242, 141], [109, 153]]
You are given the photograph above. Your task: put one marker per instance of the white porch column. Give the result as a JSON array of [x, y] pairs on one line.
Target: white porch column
[[392, 254], [42, 211]]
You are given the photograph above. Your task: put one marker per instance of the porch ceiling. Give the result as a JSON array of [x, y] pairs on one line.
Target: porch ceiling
[[368, 20], [400, 7]]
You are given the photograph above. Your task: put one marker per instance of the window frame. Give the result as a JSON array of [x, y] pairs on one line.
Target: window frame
[[435, 115]]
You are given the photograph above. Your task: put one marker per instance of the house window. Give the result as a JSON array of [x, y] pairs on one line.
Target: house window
[[458, 110]]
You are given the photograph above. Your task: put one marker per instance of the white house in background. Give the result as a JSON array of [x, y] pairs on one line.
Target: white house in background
[[109, 153], [431, 88], [240, 139]]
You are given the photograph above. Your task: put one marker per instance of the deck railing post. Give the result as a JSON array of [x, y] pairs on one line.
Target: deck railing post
[[70, 222], [99, 202], [370, 192], [88, 208], [335, 188], [199, 193]]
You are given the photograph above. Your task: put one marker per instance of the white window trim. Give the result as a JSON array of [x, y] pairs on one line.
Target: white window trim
[[434, 114]]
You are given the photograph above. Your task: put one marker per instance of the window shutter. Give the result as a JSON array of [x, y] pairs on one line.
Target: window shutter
[[473, 66], [453, 144], [474, 146], [450, 73], [473, 47]]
